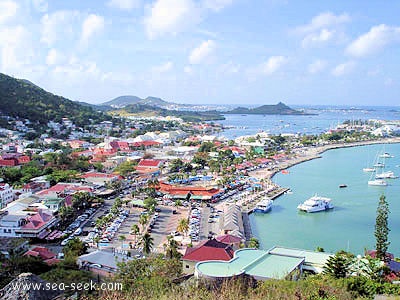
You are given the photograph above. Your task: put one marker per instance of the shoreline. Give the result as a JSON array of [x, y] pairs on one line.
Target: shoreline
[[310, 153]]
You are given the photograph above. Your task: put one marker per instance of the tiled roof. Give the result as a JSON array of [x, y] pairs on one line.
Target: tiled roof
[[228, 239], [38, 220], [41, 252], [209, 250], [149, 163]]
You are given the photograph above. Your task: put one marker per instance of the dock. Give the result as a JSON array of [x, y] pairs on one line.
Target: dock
[[272, 195], [246, 226]]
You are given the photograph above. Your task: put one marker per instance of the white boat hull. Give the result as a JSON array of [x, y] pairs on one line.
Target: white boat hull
[[377, 182]]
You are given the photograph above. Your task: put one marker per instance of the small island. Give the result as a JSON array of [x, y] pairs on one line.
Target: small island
[[277, 109]]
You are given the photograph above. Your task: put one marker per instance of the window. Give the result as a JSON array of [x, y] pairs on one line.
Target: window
[[187, 267]]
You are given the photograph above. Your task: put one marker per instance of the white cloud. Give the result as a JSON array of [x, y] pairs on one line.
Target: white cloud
[[163, 68], [343, 69], [15, 49], [57, 26], [8, 9], [124, 4], [202, 53], [229, 68], [216, 5], [92, 25], [324, 20], [171, 17], [273, 64], [188, 70], [54, 57], [324, 35], [374, 40], [40, 5], [317, 66]]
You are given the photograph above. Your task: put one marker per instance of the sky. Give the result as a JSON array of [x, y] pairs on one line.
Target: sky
[[207, 51]]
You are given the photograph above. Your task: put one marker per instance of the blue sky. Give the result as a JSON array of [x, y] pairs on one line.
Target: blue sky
[[206, 51]]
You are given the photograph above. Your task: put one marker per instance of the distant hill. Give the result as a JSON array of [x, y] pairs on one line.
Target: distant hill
[[277, 109], [123, 101], [19, 98], [146, 110]]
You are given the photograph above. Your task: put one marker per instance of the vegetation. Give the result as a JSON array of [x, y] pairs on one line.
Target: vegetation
[[277, 109], [22, 99], [382, 229], [147, 243]]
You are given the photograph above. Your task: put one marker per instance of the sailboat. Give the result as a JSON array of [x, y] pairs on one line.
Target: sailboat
[[377, 181], [368, 169]]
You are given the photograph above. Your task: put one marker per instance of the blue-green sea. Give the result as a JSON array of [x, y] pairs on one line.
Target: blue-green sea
[[350, 225]]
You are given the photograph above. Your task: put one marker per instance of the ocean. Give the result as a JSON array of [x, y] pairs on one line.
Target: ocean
[[325, 118], [350, 225]]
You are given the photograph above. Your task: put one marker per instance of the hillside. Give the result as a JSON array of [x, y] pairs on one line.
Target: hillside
[[20, 98], [278, 109], [146, 110], [123, 101]]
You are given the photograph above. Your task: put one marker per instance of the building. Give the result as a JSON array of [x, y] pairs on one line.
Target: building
[[205, 251], [100, 178], [42, 252], [10, 246], [276, 263], [6, 194], [102, 262], [189, 192]]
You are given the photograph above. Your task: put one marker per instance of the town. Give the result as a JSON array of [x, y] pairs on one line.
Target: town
[[114, 193]]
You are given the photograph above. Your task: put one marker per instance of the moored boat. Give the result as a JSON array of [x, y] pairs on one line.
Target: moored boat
[[315, 204], [386, 155], [377, 182], [263, 206], [369, 170]]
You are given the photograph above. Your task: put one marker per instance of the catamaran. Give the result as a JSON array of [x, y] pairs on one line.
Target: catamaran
[[315, 204], [386, 155]]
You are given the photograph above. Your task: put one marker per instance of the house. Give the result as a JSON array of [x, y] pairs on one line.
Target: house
[[149, 166], [62, 189], [100, 178], [54, 204], [6, 194], [206, 250], [102, 262], [42, 252], [230, 240], [37, 225]]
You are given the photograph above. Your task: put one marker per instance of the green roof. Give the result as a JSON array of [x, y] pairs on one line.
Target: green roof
[[137, 202], [258, 263], [54, 201], [311, 257]]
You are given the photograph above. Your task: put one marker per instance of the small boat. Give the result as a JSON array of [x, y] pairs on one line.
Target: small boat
[[369, 170], [386, 175], [386, 155], [315, 204], [343, 186], [263, 206], [377, 182], [379, 165]]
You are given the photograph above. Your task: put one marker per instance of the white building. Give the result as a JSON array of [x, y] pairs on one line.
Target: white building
[[6, 194]]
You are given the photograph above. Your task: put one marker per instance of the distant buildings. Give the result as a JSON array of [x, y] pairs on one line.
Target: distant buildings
[[6, 194]]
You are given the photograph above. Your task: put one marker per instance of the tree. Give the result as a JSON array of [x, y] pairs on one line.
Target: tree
[[172, 248], [254, 243], [339, 264], [183, 226], [143, 221], [382, 229], [150, 203], [75, 247], [147, 243], [135, 230], [122, 238]]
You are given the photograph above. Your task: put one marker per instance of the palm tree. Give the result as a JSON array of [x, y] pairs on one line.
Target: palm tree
[[171, 250], [122, 238], [147, 243], [135, 230], [143, 221], [254, 243], [183, 226]]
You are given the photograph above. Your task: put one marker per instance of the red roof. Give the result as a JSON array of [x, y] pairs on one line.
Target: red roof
[[150, 163], [38, 220], [145, 144], [41, 252], [228, 239], [209, 250], [194, 190], [99, 175]]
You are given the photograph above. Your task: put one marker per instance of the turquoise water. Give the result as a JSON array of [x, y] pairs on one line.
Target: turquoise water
[[350, 225]]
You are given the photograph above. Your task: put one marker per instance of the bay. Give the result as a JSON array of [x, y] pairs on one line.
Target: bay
[[350, 225]]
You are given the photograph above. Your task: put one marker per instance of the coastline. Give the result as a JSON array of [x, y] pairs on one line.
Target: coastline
[[310, 153]]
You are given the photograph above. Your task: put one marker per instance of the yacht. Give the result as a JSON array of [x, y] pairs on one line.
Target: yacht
[[369, 169], [386, 175], [315, 203], [386, 155], [263, 206], [377, 182], [379, 165]]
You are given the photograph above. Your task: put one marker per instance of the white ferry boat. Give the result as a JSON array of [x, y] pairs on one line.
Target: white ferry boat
[[315, 204], [263, 206]]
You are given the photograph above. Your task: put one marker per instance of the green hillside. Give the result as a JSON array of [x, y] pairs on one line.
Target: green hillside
[[20, 98], [278, 109]]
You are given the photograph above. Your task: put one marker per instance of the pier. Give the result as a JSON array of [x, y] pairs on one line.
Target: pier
[[271, 194]]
